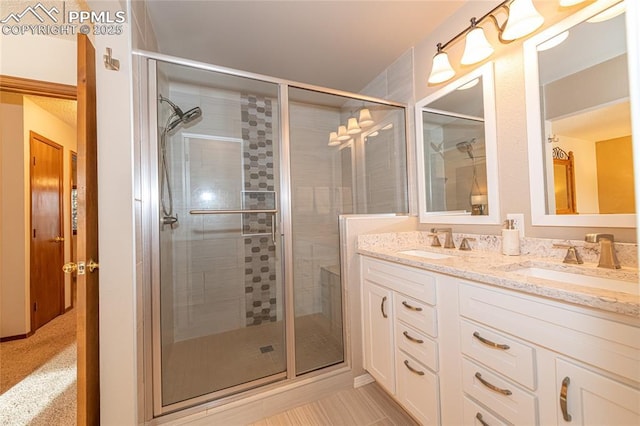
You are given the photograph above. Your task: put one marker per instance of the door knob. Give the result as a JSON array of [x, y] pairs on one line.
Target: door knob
[[70, 267], [92, 265], [58, 240]]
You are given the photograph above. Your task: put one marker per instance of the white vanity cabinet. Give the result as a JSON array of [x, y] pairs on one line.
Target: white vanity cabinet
[[486, 355], [529, 360], [400, 331]]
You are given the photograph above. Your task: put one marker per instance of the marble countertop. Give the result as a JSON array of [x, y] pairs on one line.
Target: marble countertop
[[499, 270]]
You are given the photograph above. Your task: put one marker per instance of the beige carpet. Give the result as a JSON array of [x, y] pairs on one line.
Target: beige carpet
[[38, 376]]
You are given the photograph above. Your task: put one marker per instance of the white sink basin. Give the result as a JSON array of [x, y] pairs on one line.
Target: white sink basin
[[425, 254], [612, 284]]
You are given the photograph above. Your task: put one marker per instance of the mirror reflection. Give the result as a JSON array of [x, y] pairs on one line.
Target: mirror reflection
[[585, 106], [455, 170]]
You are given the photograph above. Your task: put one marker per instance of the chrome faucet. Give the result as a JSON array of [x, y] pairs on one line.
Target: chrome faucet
[[448, 239], [608, 258]]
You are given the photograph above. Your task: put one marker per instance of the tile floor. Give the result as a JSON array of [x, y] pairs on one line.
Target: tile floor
[[365, 406]]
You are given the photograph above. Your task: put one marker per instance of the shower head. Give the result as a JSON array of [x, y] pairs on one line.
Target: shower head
[[466, 146], [181, 117]]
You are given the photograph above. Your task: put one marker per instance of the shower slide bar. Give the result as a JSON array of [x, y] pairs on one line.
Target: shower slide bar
[[246, 211]]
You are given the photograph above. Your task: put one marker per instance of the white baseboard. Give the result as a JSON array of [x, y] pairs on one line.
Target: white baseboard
[[362, 380]]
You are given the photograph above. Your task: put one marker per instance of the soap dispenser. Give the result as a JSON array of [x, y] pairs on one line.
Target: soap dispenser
[[510, 239]]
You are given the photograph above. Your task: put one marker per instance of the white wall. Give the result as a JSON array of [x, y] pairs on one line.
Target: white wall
[[117, 238], [39, 58]]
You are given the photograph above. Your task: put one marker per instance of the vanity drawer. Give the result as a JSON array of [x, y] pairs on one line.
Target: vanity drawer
[[417, 389], [417, 344], [477, 415], [416, 313], [414, 282], [604, 340], [500, 395], [506, 355]]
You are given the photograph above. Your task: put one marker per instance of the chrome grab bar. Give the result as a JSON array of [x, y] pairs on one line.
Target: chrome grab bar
[[245, 211], [249, 211]]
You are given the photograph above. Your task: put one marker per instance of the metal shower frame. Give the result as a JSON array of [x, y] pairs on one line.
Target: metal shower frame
[[147, 63]]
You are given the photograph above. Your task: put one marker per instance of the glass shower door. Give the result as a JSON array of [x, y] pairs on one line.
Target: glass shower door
[[221, 322]]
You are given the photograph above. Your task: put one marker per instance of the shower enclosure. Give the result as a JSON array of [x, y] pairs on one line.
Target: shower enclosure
[[246, 190]]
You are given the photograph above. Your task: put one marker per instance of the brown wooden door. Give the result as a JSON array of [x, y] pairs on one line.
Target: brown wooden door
[[47, 247], [87, 238]]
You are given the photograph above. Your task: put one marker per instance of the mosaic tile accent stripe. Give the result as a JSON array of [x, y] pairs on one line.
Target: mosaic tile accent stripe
[[259, 184]]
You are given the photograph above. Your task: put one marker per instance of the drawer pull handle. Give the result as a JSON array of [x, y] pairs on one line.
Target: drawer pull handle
[[482, 422], [384, 299], [563, 399], [492, 387], [489, 342], [413, 339], [413, 370], [413, 308]]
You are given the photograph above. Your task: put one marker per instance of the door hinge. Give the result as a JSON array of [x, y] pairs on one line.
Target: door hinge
[[35, 306], [34, 233], [34, 160]]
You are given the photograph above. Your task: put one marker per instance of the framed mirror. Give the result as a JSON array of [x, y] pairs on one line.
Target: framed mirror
[[457, 152], [577, 94]]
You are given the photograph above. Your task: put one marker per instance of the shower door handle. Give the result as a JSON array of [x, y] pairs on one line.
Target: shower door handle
[[273, 228]]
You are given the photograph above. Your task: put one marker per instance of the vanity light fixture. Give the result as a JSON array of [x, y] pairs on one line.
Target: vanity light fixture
[[352, 127], [522, 19], [441, 70], [477, 48], [342, 134], [365, 119], [333, 139]]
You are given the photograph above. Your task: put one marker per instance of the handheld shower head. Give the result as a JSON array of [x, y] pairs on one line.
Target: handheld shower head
[[466, 146], [181, 117]]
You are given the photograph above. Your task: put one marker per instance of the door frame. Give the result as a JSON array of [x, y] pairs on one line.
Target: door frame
[[33, 136]]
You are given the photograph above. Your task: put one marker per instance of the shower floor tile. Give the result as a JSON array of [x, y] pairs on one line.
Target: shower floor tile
[[207, 364]]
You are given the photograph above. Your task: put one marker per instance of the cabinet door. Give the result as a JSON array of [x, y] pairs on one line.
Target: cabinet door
[[378, 334], [594, 399], [417, 389]]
